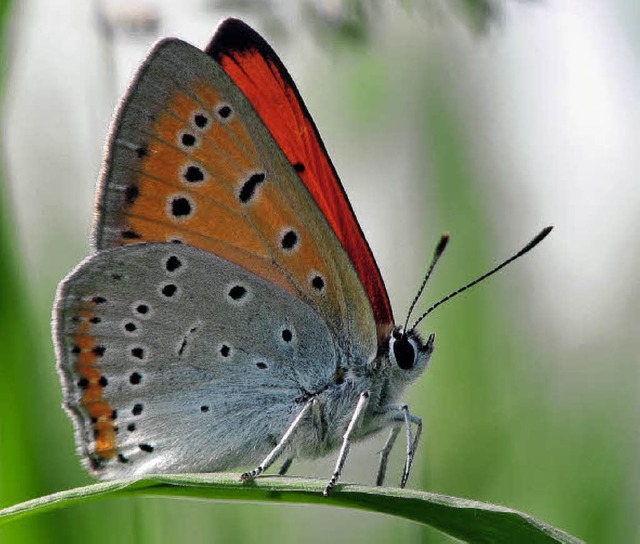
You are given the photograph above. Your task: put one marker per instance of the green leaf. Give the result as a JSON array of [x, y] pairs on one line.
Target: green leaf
[[468, 520]]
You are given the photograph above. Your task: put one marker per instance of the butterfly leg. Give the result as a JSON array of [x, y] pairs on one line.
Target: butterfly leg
[[356, 418], [398, 414], [280, 446], [384, 454], [412, 442], [285, 466]]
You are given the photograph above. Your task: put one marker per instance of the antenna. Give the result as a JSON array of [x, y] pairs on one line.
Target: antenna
[[541, 236], [442, 244]]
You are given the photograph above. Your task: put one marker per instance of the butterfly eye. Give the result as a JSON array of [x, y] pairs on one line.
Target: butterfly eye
[[404, 352]]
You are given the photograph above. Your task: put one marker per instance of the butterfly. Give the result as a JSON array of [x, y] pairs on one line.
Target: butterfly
[[231, 312]]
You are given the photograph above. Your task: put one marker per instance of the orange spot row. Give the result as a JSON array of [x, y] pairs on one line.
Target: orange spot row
[[92, 397]]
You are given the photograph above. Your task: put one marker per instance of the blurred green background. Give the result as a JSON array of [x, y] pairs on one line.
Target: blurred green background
[[489, 120]]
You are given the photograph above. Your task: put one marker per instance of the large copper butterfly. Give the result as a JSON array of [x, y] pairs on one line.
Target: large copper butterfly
[[232, 311]]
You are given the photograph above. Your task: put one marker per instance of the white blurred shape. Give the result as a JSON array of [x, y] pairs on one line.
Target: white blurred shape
[[572, 117]]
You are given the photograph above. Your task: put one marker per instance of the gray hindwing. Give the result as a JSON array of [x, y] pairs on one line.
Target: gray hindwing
[[202, 362]]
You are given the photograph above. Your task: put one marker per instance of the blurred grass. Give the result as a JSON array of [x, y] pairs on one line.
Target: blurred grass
[[19, 478], [462, 383]]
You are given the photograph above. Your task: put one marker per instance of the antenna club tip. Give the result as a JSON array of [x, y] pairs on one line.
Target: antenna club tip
[[541, 235], [442, 244]]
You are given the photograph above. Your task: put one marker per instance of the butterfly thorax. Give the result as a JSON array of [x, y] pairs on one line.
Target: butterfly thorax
[[401, 359]]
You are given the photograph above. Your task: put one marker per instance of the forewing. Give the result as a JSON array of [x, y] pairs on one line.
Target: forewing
[[258, 71], [190, 160], [174, 359]]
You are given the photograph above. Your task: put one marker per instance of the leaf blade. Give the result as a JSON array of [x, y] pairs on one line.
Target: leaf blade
[[465, 519]]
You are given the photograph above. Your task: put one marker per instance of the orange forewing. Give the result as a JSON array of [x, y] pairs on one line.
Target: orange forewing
[[257, 70], [190, 160], [217, 222]]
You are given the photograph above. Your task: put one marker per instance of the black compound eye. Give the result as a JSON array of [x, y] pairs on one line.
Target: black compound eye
[[404, 353]]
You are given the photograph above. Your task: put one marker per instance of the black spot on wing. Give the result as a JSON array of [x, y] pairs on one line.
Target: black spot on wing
[[237, 292], [169, 290], [181, 207], [99, 350], [289, 240], [137, 352], [248, 189], [188, 139], [224, 111], [173, 263], [193, 173], [131, 193], [200, 120], [317, 282], [130, 235]]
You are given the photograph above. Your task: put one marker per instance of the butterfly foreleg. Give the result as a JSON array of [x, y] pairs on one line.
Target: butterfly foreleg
[[384, 454], [356, 418], [280, 446]]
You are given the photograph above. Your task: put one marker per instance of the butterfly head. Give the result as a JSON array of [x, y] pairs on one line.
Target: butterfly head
[[408, 353]]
